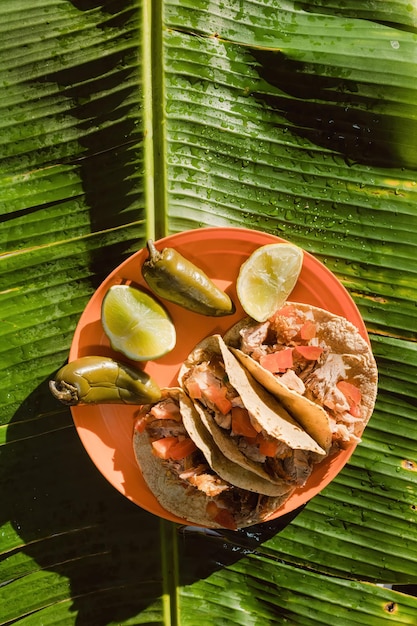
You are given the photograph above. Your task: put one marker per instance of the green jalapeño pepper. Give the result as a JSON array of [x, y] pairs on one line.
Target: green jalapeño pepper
[[176, 279], [101, 380]]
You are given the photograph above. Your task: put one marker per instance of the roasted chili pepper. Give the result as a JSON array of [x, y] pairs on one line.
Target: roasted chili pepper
[[173, 277], [101, 380]]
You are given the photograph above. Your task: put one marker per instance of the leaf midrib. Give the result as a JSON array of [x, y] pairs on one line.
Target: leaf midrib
[[155, 180], [154, 119]]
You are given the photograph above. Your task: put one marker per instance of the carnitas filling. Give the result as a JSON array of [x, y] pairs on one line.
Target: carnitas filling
[[288, 346], [228, 505], [208, 383]]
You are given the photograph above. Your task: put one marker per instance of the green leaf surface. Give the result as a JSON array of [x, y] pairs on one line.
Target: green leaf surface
[[122, 120]]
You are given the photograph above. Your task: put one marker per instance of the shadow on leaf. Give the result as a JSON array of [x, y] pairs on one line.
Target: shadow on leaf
[[75, 524], [105, 101], [332, 112], [72, 522]]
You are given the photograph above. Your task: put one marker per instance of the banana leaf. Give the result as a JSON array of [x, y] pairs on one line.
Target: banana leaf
[[127, 119]]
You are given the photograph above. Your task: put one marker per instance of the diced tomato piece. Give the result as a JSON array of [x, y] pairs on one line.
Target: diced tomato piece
[[288, 310], [194, 390], [140, 424], [182, 449], [268, 447], [223, 517], [311, 353], [353, 396], [212, 509], [351, 392], [217, 395], [173, 447], [161, 447], [277, 361], [241, 424], [355, 410], [308, 330]]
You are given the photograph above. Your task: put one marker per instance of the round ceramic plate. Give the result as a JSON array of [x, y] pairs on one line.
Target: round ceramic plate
[[106, 430]]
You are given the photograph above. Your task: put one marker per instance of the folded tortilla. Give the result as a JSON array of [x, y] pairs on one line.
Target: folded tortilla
[[190, 488], [221, 464], [297, 451], [309, 390]]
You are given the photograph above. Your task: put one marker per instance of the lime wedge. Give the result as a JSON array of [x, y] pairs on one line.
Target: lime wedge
[[136, 324], [267, 278]]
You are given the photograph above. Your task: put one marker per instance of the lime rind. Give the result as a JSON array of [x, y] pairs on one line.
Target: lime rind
[[136, 324]]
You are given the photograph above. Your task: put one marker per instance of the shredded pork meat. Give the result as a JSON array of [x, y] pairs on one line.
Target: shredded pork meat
[[292, 381], [315, 379]]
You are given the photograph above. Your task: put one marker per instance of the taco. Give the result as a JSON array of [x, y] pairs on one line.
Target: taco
[[317, 364], [246, 422], [180, 471]]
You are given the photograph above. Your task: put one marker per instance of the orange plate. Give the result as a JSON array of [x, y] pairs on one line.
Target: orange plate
[[106, 430]]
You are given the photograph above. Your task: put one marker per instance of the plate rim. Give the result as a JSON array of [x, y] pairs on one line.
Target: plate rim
[[171, 240]]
